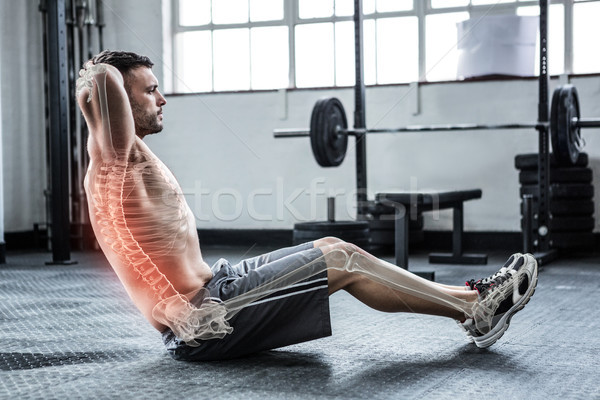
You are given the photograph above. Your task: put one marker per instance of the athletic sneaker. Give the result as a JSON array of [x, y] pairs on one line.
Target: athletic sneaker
[[500, 298], [468, 325], [509, 264]]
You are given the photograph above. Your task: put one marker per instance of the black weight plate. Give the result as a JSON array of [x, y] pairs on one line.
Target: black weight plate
[[329, 147], [315, 123], [566, 138], [360, 237], [382, 237], [386, 237], [390, 216], [569, 224], [567, 207], [530, 161], [572, 240], [390, 223], [563, 191], [558, 175], [377, 209], [323, 226], [568, 190], [337, 143], [345, 235], [363, 243], [572, 224]]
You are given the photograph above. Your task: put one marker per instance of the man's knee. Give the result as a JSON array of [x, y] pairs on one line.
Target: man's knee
[[338, 253], [327, 241]]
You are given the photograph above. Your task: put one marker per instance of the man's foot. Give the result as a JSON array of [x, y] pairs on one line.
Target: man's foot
[[509, 264], [468, 325], [500, 298]]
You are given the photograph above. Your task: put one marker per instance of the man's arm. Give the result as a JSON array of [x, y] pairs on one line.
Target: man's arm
[[103, 100]]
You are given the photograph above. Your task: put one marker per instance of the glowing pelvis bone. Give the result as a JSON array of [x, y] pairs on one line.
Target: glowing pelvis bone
[[206, 319]]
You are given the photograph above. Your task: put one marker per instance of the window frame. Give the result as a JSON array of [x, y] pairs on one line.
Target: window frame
[[421, 9]]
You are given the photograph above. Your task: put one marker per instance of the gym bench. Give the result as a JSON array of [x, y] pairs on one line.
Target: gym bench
[[407, 204]]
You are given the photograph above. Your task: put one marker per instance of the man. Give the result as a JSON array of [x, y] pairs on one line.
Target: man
[[148, 235]]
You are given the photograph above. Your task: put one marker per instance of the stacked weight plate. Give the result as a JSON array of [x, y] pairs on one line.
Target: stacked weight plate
[[571, 204], [381, 228], [356, 232]]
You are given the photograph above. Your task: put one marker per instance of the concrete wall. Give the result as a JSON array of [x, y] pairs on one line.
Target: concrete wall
[[235, 175]]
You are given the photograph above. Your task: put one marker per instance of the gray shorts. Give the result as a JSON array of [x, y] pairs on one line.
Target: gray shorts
[[294, 314]]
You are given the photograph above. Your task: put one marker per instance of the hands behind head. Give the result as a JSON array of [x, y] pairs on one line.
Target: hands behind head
[[86, 74]]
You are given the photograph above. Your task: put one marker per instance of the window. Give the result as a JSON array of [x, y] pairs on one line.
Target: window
[[556, 37], [228, 45], [585, 33], [441, 55]]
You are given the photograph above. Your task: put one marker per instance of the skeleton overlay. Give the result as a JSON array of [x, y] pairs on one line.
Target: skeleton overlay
[[119, 191]]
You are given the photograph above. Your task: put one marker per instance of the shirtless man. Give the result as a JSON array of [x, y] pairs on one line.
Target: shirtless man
[[148, 234]]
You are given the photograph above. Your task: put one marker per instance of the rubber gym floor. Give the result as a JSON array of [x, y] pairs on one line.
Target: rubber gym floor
[[71, 332]]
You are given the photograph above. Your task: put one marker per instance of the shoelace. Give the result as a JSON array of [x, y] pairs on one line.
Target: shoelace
[[498, 274], [490, 283]]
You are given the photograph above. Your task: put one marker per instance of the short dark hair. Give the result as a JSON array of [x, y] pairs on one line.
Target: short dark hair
[[124, 61]]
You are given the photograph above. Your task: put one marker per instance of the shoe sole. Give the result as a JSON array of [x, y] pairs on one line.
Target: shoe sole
[[466, 331], [496, 333]]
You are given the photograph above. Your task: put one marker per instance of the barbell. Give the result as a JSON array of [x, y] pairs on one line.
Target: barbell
[[329, 128]]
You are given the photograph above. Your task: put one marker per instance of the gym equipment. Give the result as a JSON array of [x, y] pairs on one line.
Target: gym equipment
[[328, 116], [67, 26], [57, 127], [563, 191], [570, 205], [355, 232], [329, 132], [561, 207], [530, 161], [407, 204], [558, 175], [566, 132]]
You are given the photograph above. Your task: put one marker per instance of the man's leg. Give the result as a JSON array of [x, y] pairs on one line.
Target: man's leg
[[384, 298], [486, 309], [244, 266]]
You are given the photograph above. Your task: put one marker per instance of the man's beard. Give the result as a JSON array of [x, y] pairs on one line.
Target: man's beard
[[146, 123]]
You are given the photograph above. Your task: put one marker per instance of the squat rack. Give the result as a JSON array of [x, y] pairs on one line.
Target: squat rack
[[545, 254], [66, 23]]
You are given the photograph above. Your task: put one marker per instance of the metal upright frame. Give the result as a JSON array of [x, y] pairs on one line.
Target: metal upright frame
[[59, 130], [544, 254], [360, 114], [67, 29]]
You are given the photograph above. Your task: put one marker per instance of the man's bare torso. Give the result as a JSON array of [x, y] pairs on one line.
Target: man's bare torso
[[142, 221]]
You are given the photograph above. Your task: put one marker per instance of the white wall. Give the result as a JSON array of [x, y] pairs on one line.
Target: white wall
[[220, 146], [22, 119], [221, 149], [135, 25], [1, 163]]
